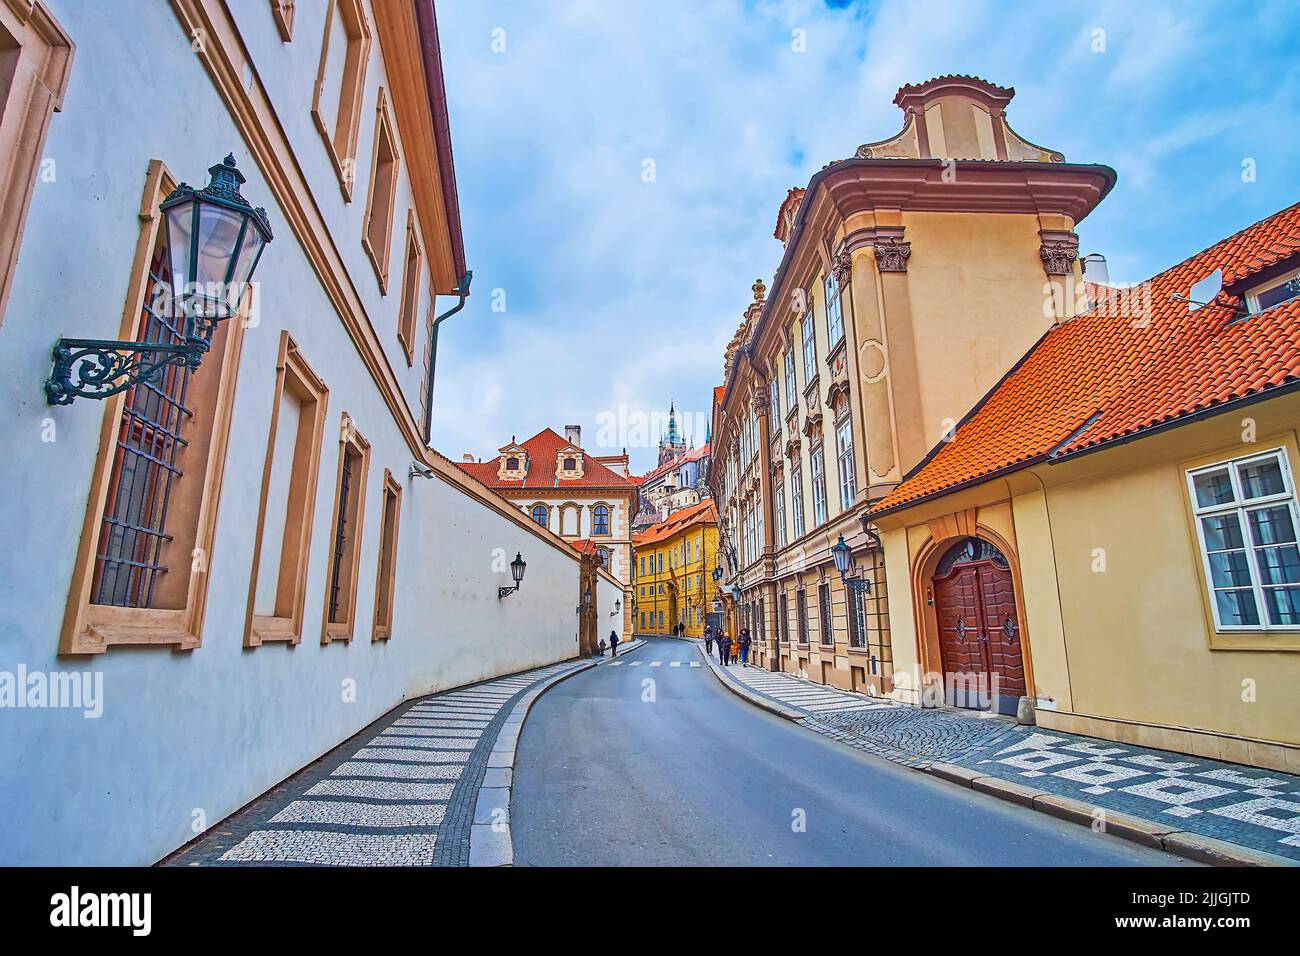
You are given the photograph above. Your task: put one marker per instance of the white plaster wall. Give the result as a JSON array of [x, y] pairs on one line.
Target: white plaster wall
[[192, 736]]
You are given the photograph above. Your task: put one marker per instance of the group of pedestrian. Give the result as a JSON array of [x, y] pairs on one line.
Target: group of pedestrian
[[729, 651]]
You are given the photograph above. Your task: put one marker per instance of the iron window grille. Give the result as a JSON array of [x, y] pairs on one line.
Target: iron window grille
[[130, 558], [341, 531], [824, 610]]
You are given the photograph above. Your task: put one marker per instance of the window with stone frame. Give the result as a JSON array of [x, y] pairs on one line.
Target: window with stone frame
[[791, 395], [844, 461], [817, 463], [154, 495], [809, 339], [834, 311], [411, 275], [824, 614], [796, 499], [340, 83], [346, 527], [779, 508], [801, 612], [541, 514], [390, 514], [600, 520]]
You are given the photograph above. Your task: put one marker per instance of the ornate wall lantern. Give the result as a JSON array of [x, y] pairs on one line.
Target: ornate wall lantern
[[585, 604], [618, 606], [843, 556], [214, 241], [717, 573], [517, 568]]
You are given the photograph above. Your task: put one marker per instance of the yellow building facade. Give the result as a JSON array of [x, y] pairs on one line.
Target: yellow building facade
[[1144, 522], [915, 273], [673, 566]]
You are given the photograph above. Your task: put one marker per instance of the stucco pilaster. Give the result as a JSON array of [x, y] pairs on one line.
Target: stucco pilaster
[[872, 372]]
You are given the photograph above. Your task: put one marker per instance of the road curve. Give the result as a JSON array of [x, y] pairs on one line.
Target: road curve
[[614, 771]]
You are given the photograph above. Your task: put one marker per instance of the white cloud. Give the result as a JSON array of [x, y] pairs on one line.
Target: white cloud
[[623, 291]]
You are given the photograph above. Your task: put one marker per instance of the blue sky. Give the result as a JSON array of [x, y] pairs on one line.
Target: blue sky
[[620, 164]]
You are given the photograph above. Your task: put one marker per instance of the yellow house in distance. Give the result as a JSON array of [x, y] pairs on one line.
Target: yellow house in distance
[[672, 566], [1111, 533]]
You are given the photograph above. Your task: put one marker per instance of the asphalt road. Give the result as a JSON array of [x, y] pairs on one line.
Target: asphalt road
[[699, 777]]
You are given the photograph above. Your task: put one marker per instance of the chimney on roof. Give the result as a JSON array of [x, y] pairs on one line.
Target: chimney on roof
[[573, 435], [1094, 268], [468, 459]]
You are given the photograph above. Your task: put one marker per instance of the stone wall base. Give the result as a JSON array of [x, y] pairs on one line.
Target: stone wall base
[[1266, 754]]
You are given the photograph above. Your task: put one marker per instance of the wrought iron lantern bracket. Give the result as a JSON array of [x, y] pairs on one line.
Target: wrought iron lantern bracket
[[213, 256], [101, 368]]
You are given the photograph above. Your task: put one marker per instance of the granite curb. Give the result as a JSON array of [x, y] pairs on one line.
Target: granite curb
[[489, 834]]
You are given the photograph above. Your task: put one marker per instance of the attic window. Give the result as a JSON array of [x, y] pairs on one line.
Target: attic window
[[570, 464], [512, 464], [1279, 290]]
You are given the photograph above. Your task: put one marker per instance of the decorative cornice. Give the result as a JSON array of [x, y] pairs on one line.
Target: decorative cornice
[[892, 254], [1059, 250]]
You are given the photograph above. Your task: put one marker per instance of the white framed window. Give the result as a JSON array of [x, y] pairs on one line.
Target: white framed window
[[796, 498], [809, 349], [1246, 520], [817, 461], [774, 399], [790, 398], [780, 515], [844, 443], [834, 311], [1274, 292]]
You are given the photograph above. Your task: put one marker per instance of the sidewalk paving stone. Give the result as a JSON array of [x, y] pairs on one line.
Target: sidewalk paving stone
[[408, 790], [1158, 791]]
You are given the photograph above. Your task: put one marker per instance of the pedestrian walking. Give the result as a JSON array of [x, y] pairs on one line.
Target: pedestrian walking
[[708, 639], [724, 648], [743, 644], [600, 649], [613, 643]]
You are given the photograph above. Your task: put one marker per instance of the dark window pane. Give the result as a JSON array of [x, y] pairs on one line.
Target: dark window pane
[[1259, 479], [1213, 488], [1222, 532], [1272, 525], [1236, 608], [1283, 605], [1230, 569], [1278, 565]]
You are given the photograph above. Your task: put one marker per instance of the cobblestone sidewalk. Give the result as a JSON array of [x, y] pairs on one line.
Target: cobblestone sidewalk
[[1246, 806], [400, 793]]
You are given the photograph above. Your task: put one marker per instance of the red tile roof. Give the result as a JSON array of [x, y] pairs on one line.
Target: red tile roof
[[702, 513], [542, 449], [695, 454], [1136, 361]]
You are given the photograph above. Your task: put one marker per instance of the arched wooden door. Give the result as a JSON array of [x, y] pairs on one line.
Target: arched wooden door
[[979, 632]]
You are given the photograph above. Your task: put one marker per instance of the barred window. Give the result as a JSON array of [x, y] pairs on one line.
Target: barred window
[[801, 610], [824, 612], [345, 551], [390, 515]]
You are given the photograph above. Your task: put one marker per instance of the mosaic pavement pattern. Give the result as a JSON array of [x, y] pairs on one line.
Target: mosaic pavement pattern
[[1248, 806], [400, 793]]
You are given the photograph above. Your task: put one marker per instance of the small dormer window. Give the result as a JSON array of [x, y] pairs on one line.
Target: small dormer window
[[512, 464], [1275, 292], [570, 464]]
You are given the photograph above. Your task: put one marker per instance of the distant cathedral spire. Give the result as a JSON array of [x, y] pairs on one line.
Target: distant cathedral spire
[[671, 444]]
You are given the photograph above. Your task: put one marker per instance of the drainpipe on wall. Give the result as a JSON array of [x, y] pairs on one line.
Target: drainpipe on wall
[[461, 290]]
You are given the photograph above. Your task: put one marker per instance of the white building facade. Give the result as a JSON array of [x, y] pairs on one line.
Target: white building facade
[[215, 577]]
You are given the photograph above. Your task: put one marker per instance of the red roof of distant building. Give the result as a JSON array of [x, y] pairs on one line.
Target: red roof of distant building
[[543, 449], [702, 513], [695, 454], [1138, 360]]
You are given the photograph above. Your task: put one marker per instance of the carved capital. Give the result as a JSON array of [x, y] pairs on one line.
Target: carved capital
[[842, 268], [1058, 251], [892, 254]]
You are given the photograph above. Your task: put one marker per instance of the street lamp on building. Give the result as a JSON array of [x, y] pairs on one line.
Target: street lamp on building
[[214, 239], [585, 604], [843, 556], [517, 568], [618, 606]]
